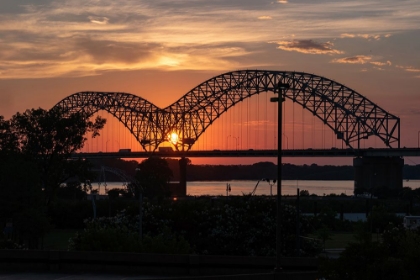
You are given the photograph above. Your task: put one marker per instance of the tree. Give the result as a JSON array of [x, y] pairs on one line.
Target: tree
[[35, 148], [22, 202], [8, 140], [395, 257], [323, 233], [49, 138], [304, 193], [153, 175]]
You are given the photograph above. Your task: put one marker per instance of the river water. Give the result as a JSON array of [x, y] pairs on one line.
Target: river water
[[289, 187]]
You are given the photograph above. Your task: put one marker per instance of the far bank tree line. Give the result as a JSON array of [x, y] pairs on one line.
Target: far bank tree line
[[255, 171]]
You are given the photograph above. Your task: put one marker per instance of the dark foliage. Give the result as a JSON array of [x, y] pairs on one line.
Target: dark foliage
[[34, 149], [153, 175], [237, 226], [392, 256]]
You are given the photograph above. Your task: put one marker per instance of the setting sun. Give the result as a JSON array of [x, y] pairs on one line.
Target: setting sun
[[173, 138]]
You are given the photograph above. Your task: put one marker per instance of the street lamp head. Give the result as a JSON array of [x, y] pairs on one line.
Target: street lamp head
[[283, 85]]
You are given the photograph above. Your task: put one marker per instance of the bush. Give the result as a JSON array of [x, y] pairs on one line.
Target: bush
[[395, 257], [120, 234], [8, 244], [238, 226]]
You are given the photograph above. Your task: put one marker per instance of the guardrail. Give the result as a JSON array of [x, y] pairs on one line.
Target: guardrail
[[147, 264]]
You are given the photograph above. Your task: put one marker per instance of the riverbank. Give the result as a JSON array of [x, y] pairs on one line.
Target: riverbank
[[241, 187]]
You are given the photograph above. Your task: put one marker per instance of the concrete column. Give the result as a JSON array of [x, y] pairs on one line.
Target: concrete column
[[183, 176]]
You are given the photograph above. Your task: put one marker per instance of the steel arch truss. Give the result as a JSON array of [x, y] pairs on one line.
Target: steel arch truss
[[142, 118], [350, 115]]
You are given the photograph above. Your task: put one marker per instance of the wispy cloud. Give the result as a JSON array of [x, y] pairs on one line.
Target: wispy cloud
[[102, 51], [379, 63], [308, 46], [264, 17], [358, 59], [258, 124], [412, 70], [408, 68], [98, 20], [52, 38], [365, 36]]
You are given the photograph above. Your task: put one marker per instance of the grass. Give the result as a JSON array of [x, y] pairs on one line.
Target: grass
[[58, 239], [339, 240]]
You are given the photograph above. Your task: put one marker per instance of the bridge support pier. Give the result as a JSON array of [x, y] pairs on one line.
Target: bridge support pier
[[378, 174], [183, 176]]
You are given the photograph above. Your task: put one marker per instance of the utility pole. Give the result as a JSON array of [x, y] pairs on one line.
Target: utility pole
[[279, 99]]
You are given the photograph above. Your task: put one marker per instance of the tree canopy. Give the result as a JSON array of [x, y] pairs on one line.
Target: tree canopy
[[35, 147], [153, 175], [49, 138]]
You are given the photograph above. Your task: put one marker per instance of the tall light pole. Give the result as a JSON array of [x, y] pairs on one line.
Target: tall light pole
[[279, 99]]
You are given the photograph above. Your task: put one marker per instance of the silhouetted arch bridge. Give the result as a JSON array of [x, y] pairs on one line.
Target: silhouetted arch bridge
[[351, 116]]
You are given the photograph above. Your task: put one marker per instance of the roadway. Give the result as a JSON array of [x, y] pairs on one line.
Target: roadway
[[334, 152], [75, 276]]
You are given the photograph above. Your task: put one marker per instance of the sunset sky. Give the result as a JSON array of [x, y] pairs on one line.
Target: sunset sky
[[160, 50]]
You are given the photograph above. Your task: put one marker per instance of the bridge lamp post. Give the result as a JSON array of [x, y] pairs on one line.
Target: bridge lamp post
[[281, 88], [418, 137], [236, 142], [227, 142], [287, 141]]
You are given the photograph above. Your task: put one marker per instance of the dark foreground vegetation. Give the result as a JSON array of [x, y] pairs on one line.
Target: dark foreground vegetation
[[35, 148], [242, 226]]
